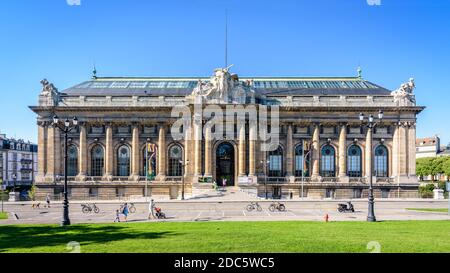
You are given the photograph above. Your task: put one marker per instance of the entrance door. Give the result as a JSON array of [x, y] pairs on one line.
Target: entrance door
[[225, 164]]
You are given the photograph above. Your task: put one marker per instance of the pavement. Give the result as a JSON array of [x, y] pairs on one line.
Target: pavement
[[229, 205]]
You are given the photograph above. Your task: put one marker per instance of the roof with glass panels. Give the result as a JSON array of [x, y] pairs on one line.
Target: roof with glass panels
[[265, 86]]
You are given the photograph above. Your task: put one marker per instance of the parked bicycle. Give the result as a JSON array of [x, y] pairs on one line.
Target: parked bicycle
[[87, 208], [254, 206], [277, 206], [131, 208]]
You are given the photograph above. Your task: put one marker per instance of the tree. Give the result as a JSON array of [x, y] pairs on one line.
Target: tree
[[424, 167], [446, 167]]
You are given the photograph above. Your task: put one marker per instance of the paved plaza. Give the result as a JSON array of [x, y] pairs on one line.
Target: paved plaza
[[228, 206]]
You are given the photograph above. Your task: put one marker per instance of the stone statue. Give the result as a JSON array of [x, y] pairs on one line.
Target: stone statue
[[49, 95], [223, 87], [47, 87], [405, 94]]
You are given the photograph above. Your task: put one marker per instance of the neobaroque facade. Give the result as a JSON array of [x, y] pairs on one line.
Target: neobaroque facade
[[322, 152]]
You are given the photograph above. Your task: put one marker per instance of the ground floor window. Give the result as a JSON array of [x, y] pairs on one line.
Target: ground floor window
[[330, 193], [93, 192], [276, 193], [120, 192], [357, 193], [385, 193]]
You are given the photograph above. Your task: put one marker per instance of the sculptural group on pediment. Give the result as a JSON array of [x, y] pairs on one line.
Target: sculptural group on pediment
[[223, 87], [405, 94]]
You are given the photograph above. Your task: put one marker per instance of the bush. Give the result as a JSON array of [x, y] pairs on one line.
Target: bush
[[426, 191]]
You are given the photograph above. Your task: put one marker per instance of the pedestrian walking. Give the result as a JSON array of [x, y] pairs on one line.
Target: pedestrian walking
[[224, 183], [117, 216], [125, 211], [151, 209], [47, 200]]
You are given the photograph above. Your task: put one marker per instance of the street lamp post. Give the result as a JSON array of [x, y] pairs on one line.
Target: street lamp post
[[66, 128], [182, 177], [370, 125], [265, 163]]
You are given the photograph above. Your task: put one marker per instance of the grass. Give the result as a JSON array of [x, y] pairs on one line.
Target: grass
[[430, 209], [230, 237], [3, 215]]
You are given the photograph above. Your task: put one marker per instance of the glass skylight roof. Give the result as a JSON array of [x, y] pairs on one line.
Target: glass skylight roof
[[312, 84], [257, 84]]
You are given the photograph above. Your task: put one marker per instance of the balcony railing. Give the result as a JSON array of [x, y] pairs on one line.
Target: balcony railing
[[302, 179], [357, 179], [273, 180], [174, 179]]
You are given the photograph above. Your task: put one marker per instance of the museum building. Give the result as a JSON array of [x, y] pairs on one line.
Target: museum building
[[124, 144]]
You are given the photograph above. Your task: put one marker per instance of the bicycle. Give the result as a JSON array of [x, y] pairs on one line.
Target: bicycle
[[131, 208], [277, 206], [254, 206], [86, 208]]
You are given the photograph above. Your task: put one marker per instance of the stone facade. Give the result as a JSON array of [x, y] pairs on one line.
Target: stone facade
[[120, 117]]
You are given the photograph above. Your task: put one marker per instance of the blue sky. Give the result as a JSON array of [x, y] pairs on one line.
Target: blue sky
[[392, 42]]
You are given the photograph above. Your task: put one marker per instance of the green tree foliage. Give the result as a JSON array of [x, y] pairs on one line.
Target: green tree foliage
[[426, 191], [433, 166], [446, 167]]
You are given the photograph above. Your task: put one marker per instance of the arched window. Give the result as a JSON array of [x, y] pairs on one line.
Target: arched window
[[381, 161], [175, 156], [327, 161], [123, 161], [302, 160], [97, 161], [72, 161], [354, 166], [276, 163]]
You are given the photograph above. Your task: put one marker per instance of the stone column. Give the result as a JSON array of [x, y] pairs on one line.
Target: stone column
[[42, 151], [82, 156], [252, 151], [197, 148], [161, 153], [187, 151], [395, 151], [135, 153], [208, 150], [242, 150], [109, 168], [315, 152], [289, 152], [412, 150], [369, 167], [51, 154], [343, 154], [403, 151]]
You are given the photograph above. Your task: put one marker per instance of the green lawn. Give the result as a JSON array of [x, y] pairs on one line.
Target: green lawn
[[201, 237], [429, 209], [3, 215]]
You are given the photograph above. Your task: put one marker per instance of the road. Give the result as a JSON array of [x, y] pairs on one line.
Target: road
[[229, 207]]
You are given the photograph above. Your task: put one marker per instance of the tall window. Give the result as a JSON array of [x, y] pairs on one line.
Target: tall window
[[175, 156], [381, 161], [327, 161], [97, 161], [301, 161], [276, 163], [123, 161], [72, 161], [354, 161]]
